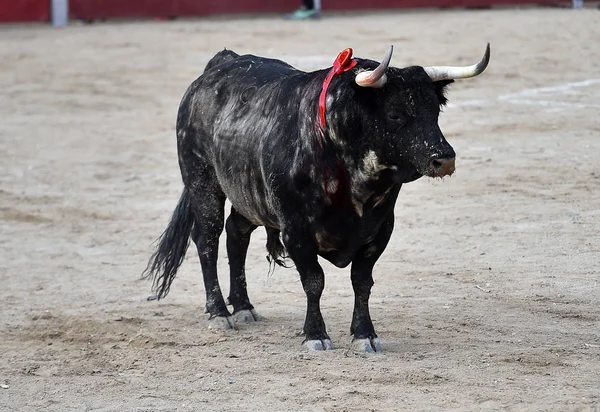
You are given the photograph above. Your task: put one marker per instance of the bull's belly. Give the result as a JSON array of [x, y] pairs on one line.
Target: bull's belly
[[238, 170], [257, 216], [251, 202]]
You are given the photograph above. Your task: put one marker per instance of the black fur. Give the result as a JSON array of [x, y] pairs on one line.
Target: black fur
[[440, 90], [248, 131]]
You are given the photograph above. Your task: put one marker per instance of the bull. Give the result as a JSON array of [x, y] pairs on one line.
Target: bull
[[317, 158]]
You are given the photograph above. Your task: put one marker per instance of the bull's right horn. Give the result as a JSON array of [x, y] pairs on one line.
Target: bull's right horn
[[459, 72]]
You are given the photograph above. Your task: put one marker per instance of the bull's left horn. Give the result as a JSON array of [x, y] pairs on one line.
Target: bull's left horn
[[460, 72], [377, 77]]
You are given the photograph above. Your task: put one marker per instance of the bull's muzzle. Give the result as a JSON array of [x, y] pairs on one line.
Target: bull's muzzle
[[441, 167]]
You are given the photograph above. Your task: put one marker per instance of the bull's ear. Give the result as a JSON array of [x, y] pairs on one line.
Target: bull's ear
[[440, 90]]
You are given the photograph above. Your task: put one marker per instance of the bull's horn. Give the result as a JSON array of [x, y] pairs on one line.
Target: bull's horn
[[377, 77], [451, 72]]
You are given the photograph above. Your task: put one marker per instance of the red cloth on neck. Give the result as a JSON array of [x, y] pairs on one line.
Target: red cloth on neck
[[342, 63]]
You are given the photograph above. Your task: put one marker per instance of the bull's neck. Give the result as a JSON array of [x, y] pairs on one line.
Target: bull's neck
[[349, 175]]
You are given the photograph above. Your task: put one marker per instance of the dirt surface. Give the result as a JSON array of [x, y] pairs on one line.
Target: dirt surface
[[487, 297]]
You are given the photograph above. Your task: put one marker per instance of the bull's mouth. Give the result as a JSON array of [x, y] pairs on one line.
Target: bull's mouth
[[435, 168], [405, 172]]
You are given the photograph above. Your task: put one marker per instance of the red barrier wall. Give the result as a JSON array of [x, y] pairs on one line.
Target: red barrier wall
[[91, 9], [39, 10], [390, 4], [153, 8], [24, 10]]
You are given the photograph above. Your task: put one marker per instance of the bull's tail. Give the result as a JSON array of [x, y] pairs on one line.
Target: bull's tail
[[277, 253], [172, 246]]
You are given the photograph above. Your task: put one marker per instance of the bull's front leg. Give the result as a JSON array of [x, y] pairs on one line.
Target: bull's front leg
[[303, 252], [365, 338]]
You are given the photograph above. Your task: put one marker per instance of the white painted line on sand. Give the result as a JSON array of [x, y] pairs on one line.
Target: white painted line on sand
[[524, 97], [553, 103], [559, 89], [467, 103]]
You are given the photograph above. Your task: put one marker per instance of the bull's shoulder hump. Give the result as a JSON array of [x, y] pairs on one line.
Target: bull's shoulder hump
[[221, 57], [249, 62]]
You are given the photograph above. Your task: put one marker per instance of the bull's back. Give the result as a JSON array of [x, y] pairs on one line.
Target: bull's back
[[233, 117], [239, 95]]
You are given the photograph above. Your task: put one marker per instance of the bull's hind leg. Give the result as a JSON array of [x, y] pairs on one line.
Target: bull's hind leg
[[238, 230], [208, 206], [365, 338]]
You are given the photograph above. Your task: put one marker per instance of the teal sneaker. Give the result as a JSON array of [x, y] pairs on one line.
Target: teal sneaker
[[303, 14]]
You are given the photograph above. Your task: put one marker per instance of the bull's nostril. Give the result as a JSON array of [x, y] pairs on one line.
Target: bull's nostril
[[442, 166], [436, 164]]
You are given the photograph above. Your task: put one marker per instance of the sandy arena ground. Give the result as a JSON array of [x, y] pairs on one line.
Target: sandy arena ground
[[487, 297]]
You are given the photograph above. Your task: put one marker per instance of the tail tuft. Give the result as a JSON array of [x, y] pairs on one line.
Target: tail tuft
[[172, 246]]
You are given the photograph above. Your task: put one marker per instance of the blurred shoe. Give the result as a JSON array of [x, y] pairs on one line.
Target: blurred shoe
[[303, 14]]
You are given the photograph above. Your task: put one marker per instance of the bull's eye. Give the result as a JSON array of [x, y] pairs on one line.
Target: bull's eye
[[395, 117]]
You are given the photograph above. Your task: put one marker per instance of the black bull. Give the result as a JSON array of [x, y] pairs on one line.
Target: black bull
[[250, 130]]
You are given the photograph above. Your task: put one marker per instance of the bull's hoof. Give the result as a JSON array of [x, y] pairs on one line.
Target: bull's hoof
[[367, 345], [221, 323], [246, 316], [324, 344]]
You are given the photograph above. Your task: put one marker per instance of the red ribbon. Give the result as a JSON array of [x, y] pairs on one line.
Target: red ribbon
[[340, 194], [342, 63]]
